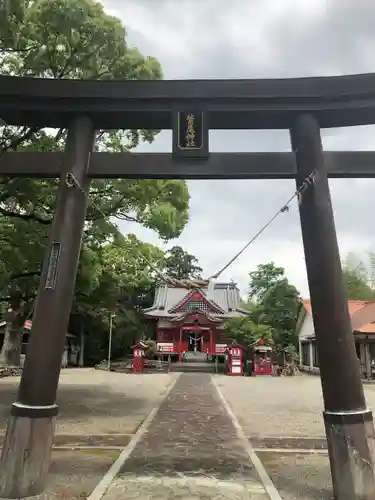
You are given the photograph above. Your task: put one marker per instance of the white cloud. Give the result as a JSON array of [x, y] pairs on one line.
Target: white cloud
[[237, 39]]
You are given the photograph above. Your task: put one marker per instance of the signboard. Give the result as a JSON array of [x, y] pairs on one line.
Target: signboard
[[53, 263], [190, 134], [165, 346], [235, 360], [220, 348]]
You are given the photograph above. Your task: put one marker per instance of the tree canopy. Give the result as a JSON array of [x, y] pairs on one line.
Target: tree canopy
[[359, 277], [264, 277], [180, 264], [247, 332], [273, 306], [77, 39]]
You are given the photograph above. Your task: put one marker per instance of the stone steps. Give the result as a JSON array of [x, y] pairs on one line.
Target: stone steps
[[195, 357], [193, 367]]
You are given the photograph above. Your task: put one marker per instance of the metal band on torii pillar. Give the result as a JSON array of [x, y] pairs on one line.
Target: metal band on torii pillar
[[37, 393], [349, 424]]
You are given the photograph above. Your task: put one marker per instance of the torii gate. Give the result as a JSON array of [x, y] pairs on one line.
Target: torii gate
[[190, 108]]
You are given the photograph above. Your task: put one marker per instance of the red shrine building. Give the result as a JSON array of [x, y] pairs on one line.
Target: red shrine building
[[192, 320]]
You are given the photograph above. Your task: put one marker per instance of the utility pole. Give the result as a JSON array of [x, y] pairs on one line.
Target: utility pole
[[111, 316], [82, 348]]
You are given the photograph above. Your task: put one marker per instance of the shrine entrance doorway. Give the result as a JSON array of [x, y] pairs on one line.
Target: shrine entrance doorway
[[195, 340]]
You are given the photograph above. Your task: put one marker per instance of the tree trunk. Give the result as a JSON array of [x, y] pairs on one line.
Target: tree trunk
[[10, 354]]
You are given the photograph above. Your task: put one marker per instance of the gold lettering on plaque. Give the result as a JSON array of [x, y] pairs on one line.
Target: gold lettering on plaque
[[190, 131]]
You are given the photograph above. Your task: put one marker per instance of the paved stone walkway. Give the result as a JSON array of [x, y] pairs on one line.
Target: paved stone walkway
[[191, 451]]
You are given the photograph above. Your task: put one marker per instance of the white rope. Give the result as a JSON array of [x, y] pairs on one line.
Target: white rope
[[192, 283]]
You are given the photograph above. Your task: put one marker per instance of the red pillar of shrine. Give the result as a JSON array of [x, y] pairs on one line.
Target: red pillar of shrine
[[180, 346]]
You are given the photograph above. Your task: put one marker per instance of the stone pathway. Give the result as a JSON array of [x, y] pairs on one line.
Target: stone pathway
[[191, 451]]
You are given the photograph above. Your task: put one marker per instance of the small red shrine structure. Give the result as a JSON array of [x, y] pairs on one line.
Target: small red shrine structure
[[138, 359], [235, 359], [192, 320], [262, 359]]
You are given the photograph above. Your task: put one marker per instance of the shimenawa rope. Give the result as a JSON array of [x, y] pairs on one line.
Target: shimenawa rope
[[71, 182]]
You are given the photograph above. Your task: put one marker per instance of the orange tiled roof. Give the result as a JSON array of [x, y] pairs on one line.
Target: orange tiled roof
[[354, 305], [369, 328]]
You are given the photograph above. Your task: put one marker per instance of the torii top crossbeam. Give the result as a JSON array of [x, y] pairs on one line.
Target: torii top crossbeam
[[230, 104]]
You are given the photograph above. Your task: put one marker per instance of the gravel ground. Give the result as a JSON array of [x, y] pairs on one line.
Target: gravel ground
[[279, 406], [73, 475], [94, 402], [299, 476], [282, 408]]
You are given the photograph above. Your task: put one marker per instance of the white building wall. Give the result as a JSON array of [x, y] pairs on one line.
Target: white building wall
[[306, 331], [307, 328]]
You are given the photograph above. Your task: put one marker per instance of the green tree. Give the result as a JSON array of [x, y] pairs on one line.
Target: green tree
[[125, 286], [247, 304], [11, 16], [246, 332], [277, 303], [71, 39], [181, 265], [358, 277], [263, 278], [356, 287]]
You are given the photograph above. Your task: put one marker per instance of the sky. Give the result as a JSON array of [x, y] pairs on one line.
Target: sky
[[212, 39]]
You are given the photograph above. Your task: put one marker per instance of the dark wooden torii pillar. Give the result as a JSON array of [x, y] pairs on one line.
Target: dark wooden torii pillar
[[26, 454], [348, 422]]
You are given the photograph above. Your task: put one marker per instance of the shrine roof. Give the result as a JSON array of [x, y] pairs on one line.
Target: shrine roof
[[224, 295]]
